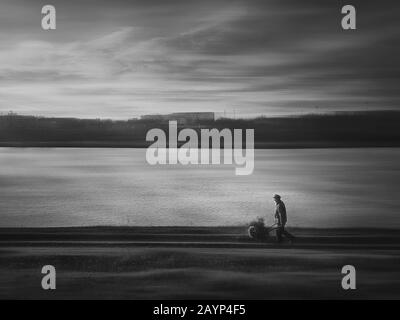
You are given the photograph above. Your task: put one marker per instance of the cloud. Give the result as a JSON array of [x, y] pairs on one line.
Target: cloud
[[257, 57]]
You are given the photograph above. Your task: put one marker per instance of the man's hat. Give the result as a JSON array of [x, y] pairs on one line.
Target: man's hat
[[276, 196]]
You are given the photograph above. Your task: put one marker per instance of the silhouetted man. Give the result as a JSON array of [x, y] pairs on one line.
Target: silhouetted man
[[281, 219]]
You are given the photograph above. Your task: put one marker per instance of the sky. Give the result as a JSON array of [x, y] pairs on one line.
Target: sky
[[122, 59]]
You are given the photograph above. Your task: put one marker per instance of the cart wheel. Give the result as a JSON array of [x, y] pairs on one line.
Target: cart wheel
[[251, 231]]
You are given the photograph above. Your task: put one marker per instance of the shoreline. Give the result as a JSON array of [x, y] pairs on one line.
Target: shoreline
[[211, 237], [144, 145]]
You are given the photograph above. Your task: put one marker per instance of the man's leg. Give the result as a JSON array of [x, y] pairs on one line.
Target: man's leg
[[287, 234], [278, 233]]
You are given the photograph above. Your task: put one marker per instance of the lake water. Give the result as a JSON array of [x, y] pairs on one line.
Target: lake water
[[81, 187]]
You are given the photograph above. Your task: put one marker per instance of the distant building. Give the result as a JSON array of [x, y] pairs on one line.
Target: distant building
[[152, 117], [182, 117]]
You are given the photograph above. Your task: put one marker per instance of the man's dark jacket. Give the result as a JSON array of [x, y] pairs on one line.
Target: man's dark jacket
[[280, 213]]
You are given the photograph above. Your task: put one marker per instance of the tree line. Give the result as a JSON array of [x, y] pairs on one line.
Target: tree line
[[373, 128]]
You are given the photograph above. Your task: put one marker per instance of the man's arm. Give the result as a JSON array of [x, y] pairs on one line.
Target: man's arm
[[281, 210], [277, 216]]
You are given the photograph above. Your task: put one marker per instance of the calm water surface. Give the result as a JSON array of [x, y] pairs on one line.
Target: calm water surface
[[80, 187]]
